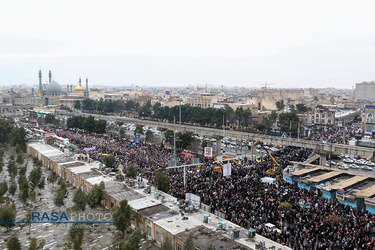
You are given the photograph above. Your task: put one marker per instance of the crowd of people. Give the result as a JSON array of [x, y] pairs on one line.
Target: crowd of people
[[244, 198], [334, 134]]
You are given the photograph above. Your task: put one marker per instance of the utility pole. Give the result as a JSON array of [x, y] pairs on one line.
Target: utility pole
[[298, 131], [179, 130], [343, 126], [174, 139]]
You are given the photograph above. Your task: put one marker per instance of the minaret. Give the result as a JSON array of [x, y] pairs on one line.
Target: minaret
[[79, 82], [49, 77], [40, 80], [87, 88]]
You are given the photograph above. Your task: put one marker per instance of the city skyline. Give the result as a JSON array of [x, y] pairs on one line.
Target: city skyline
[[245, 44]]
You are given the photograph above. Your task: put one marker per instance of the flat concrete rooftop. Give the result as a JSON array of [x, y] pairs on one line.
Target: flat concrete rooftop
[[347, 183], [324, 177]]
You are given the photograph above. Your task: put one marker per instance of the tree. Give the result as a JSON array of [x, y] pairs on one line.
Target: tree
[[301, 107], [23, 193], [109, 161], [132, 243], [8, 214], [90, 124], [210, 247], [35, 177], [12, 188], [189, 244], [42, 183], [138, 130], [280, 105], [289, 122], [122, 132], [50, 118], [77, 105], [319, 106], [168, 135], [19, 159], [131, 172], [184, 140], [14, 243], [292, 108], [12, 169], [22, 170], [285, 206], [79, 200], [36, 245], [3, 189], [76, 233], [149, 136], [60, 193], [95, 197], [166, 244], [146, 109], [122, 217], [161, 181]]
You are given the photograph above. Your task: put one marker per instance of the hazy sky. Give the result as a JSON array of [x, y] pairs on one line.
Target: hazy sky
[[235, 43]]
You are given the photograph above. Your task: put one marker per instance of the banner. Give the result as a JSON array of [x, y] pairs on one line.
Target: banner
[[227, 169], [340, 194], [369, 202], [137, 139], [207, 152], [90, 149]]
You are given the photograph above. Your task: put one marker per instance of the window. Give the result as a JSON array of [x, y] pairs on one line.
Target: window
[[149, 236], [158, 237], [178, 247], [317, 115]]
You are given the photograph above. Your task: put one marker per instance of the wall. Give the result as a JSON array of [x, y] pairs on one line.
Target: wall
[[352, 204], [288, 179], [305, 186], [327, 195]]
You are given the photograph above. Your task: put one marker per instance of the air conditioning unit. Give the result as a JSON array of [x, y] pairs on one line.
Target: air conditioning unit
[[205, 219], [223, 224], [235, 234], [250, 233]]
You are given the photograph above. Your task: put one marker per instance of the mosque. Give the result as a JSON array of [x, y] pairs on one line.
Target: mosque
[[53, 94]]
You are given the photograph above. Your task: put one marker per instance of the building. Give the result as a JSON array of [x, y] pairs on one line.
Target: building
[[320, 117], [349, 188], [204, 100], [365, 91], [157, 214], [368, 119]]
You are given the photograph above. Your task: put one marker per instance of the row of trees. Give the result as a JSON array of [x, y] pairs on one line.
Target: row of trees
[[106, 106], [202, 116], [9, 134], [87, 123], [212, 117]]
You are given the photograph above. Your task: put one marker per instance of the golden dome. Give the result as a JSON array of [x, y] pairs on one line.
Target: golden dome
[[78, 89]]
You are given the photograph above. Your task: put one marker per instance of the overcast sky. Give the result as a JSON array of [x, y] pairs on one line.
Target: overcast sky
[[161, 43]]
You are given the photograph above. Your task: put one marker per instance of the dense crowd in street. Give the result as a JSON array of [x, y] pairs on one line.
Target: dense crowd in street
[[334, 134], [326, 224]]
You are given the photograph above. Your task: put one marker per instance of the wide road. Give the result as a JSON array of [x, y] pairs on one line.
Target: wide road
[[319, 147]]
